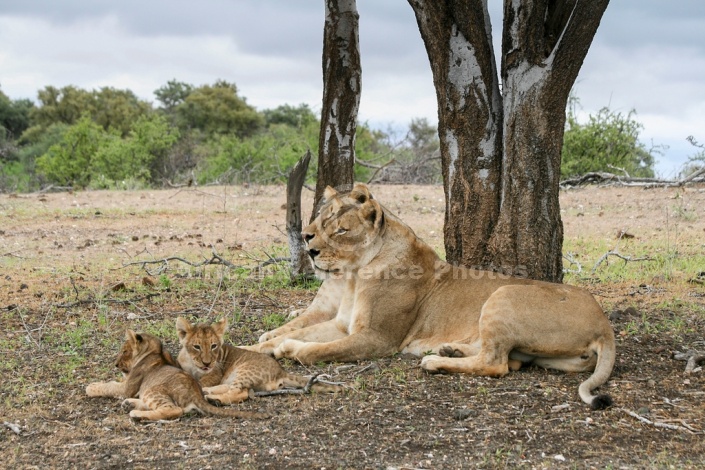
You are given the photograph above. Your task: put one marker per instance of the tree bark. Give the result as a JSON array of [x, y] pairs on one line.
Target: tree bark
[[342, 81], [299, 263], [501, 153]]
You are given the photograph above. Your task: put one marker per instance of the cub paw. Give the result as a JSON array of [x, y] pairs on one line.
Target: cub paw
[[128, 404], [214, 400], [93, 390]]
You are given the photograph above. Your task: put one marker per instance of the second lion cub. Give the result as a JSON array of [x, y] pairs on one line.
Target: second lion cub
[[228, 374]]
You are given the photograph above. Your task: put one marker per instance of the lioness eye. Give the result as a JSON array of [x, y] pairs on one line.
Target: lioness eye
[[341, 231], [214, 346], [196, 347]]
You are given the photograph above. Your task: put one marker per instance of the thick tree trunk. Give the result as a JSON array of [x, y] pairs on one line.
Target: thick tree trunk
[[457, 36], [342, 81], [501, 177]]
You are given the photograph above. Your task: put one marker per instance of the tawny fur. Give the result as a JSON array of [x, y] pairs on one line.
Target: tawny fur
[[386, 291], [153, 386], [229, 374]]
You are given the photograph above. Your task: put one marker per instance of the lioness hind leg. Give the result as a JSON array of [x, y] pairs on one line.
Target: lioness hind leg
[[458, 350], [475, 365]]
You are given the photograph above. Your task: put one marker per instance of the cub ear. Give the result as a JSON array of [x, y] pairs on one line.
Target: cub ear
[[329, 193], [220, 326], [361, 193], [183, 327], [130, 335]]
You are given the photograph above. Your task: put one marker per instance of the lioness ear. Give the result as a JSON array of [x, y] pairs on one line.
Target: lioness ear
[[361, 193], [373, 212], [220, 326], [183, 326], [329, 193]]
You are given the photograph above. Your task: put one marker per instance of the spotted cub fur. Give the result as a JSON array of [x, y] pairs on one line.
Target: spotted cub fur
[[229, 374]]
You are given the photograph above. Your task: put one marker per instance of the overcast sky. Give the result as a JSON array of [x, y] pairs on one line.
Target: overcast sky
[[648, 55]]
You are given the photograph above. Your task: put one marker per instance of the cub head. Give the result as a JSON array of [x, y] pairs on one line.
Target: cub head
[[346, 233], [201, 342], [136, 345]]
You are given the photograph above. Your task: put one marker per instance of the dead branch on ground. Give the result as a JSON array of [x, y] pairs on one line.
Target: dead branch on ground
[[215, 259], [607, 179], [692, 358], [615, 253], [291, 391], [661, 424]]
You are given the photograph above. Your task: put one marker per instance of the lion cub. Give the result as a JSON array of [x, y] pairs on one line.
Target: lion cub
[[162, 390], [229, 374]]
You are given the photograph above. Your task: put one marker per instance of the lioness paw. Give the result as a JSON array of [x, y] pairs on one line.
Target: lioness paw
[[295, 313], [449, 351], [288, 349], [429, 363]]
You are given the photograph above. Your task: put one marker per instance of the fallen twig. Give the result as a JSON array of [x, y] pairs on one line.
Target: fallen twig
[[692, 359], [618, 255], [12, 427], [93, 300], [570, 257], [164, 262], [290, 391], [660, 424]]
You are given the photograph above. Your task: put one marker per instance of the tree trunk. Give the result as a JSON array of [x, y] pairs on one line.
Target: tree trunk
[[501, 152], [299, 263], [342, 81]]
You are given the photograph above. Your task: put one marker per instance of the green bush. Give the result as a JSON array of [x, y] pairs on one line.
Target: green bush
[[609, 141]]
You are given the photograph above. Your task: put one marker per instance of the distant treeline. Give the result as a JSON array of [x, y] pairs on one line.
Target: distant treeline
[[109, 138]]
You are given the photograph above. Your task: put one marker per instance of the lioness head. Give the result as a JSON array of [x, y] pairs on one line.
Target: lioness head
[[202, 342], [345, 235], [136, 345]]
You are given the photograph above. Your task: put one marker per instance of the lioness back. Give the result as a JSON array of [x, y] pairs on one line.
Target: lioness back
[[227, 373]]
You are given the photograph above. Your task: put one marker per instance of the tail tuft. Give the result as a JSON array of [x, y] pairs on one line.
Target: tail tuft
[[601, 402]]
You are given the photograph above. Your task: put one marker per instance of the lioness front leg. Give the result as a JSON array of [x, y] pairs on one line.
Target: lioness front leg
[[320, 332], [323, 308], [358, 346]]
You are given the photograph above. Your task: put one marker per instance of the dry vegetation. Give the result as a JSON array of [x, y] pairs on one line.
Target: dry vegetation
[[66, 298]]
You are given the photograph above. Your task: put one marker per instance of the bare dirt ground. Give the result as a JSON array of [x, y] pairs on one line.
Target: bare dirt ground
[[67, 293]]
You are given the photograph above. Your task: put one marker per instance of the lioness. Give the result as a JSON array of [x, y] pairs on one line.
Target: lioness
[[229, 374], [162, 390], [386, 291]]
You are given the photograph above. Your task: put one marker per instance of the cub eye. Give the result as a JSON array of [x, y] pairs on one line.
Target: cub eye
[[341, 231], [196, 347], [214, 346]]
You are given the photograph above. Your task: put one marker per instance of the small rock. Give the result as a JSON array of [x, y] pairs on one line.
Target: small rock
[[464, 413], [118, 287]]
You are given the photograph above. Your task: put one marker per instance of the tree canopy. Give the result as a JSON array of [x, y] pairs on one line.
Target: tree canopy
[[109, 138]]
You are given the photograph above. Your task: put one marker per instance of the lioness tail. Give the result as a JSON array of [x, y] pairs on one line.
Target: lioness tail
[[605, 349]]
